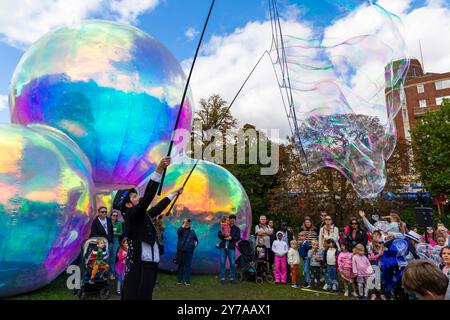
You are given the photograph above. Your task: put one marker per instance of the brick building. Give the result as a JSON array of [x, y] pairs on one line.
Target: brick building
[[424, 92]]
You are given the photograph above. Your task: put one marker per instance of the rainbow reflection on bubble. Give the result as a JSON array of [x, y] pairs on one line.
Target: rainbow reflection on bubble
[[45, 206], [112, 88], [347, 78], [210, 193]]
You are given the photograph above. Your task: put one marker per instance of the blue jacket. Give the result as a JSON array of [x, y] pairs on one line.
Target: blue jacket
[[188, 237], [303, 249]]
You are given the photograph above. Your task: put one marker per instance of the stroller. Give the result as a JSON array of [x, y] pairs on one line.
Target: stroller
[[250, 268], [101, 278]]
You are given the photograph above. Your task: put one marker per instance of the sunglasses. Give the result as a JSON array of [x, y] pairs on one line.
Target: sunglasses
[[103, 211], [114, 215]]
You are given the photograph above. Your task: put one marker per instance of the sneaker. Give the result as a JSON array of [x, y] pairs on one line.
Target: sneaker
[[119, 293], [325, 287], [373, 297], [334, 287], [307, 286], [91, 281], [346, 293], [187, 284], [354, 294]]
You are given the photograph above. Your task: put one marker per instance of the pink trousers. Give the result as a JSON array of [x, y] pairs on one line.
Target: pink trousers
[[279, 269]]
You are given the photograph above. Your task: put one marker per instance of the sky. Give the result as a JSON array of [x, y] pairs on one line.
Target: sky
[[237, 34]]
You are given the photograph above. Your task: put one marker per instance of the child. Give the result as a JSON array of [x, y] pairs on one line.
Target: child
[[226, 230], [261, 251], [362, 269], [315, 257], [345, 269], [120, 264], [280, 249], [374, 281], [304, 246], [294, 261], [330, 256], [98, 259], [445, 260]]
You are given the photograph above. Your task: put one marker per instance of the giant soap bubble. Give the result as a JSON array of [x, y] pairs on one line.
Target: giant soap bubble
[[112, 88], [346, 71], [210, 193], [45, 206]]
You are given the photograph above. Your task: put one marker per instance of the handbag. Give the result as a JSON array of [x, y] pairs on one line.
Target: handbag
[[179, 255]]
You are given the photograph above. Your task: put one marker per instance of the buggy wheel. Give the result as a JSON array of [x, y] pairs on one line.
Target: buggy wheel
[[269, 278], [259, 280], [104, 293], [81, 294], [240, 276]]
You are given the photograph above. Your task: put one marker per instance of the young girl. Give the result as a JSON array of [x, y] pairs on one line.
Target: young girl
[[330, 258], [374, 281], [429, 236], [362, 269], [345, 269], [293, 261], [120, 264], [315, 255], [280, 249], [226, 229]]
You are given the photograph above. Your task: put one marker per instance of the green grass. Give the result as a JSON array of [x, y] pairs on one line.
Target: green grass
[[204, 287]]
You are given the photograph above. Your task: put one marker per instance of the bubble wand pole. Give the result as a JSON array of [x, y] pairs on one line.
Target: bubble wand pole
[[184, 184], [184, 93]]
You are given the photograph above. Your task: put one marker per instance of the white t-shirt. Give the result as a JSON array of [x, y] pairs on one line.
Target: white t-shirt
[[331, 256]]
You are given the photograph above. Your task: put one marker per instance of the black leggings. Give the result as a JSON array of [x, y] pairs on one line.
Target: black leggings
[[140, 281]]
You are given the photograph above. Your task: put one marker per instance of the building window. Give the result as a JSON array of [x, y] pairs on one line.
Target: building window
[[422, 103], [440, 99], [420, 88], [442, 84]]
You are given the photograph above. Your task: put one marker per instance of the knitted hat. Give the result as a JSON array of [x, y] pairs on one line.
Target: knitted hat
[[122, 197], [413, 236]]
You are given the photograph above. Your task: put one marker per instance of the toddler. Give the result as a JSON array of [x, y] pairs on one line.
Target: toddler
[[280, 249], [293, 261]]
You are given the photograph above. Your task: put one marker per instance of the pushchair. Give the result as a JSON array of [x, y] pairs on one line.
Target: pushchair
[[100, 284], [250, 268]]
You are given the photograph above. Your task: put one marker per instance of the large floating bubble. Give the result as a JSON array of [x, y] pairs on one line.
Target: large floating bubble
[[45, 206], [346, 73], [112, 88], [210, 193]]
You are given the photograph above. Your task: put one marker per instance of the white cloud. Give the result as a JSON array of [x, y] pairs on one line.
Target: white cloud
[[23, 21], [191, 33], [226, 60], [3, 101]]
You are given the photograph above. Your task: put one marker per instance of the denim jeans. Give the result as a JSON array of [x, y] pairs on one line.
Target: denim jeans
[[184, 268], [231, 254], [331, 276], [113, 249], [306, 270]]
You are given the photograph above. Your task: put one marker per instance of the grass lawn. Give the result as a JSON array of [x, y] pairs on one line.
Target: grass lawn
[[204, 287]]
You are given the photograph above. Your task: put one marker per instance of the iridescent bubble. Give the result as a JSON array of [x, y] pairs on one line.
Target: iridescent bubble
[[347, 77], [112, 88], [45, 206], [210, 193]]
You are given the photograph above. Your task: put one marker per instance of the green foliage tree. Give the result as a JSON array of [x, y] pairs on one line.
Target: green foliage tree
[[431, 140]]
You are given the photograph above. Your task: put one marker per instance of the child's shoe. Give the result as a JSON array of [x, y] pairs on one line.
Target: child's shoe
[[91, 281], [325, 287], [334, 287], [354, 294], [373, 296], [346, 293], [307, 286]]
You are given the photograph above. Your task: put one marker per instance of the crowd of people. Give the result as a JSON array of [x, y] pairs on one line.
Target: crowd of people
[[385, 260]]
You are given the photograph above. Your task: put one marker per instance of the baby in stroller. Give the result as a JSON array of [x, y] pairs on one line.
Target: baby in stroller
[[98, 259]]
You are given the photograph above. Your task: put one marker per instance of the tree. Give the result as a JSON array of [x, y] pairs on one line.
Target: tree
[[431, 140]]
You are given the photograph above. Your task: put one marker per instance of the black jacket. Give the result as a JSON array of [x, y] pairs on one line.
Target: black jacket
[[186, 240], [138, 221], [235, 234], [361, 237], [97, 229]]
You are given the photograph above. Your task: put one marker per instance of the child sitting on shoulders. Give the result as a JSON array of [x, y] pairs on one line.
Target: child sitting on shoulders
[[98, 259]]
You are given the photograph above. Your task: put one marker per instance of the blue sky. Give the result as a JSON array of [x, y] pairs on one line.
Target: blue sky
[[168, 21]]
